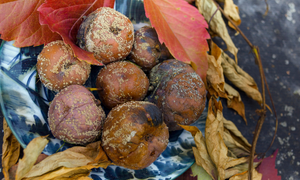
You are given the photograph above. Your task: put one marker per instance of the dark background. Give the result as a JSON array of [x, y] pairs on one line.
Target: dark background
[[278, 37]]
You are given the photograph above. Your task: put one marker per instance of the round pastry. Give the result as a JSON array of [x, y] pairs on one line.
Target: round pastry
[[134, 134], [147, 50], [75, 116], [58, 67], [120, 82], [107, 33]]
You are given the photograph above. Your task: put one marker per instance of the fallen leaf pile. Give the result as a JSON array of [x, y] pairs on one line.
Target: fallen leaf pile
[[10, 150], [73, 163], [223, 152]]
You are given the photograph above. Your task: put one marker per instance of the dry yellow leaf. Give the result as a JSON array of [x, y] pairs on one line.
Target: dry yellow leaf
[[232, 11], [234, 101], [240, 78], [215, 77], [234, 162], [31, 154], [214, 136], [231, 127], [84, 178], [243, 176], [199, 172], [202, 157], [223, 152], [63, 174], [216, 23], [10, 150], [238, 169], [192, 129], [236, 148], [76, 161], [200, 152]]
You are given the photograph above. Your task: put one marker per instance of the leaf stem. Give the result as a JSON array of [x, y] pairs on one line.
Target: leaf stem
[[264, 84]]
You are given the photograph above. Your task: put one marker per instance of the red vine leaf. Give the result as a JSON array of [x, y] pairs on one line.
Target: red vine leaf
[[182, 28], [267, 168], [65, 16], [19, 21]]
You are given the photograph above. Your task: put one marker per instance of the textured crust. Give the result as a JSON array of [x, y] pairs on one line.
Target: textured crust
[[134, 134], [57, 66], [120, 82], [75, 116], [106, 33]]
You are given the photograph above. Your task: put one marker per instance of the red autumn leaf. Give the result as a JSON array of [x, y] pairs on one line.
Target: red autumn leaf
[[19, 21], [182, 28], [267, 168], [65, 17]]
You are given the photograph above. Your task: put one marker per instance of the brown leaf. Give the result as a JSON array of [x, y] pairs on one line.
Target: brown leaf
[[84, 178], [10, 150], [201, 155], [237, 149], [238, 169], [192, 129], [235, 133], [215, 77], [214, 136], [63, 173], [75, 162], [232, 11], [240, 78], [216, 23], [234, 101], [13, 170], [234, 161], [203, 159], [244, 175], [31, 154], [199, 172]]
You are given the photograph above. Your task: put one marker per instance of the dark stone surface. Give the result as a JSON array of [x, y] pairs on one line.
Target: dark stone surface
[[278, 37]]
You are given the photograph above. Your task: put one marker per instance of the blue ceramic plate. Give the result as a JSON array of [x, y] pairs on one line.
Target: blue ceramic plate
[[24, 102]]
